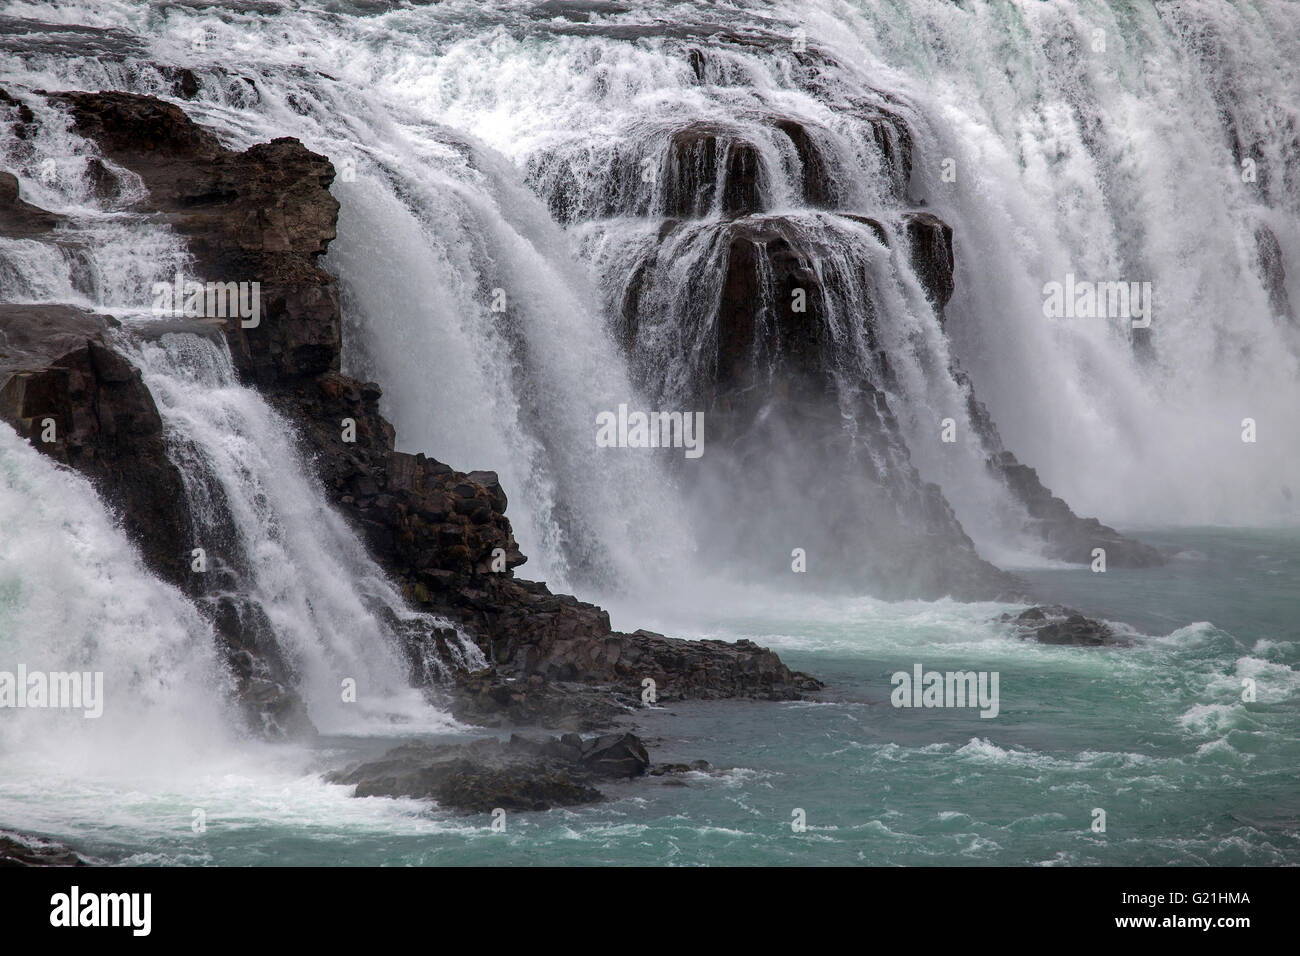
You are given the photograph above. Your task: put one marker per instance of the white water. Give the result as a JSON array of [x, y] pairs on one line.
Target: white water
[[1106, 164], [330, 608]]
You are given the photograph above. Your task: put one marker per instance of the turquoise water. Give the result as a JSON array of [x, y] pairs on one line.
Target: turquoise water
[[1156, 734]]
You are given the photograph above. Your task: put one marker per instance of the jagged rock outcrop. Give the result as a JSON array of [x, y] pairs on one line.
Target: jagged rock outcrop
[[770, 375], [76, 399], [816, 185], [18, 219], [1065, 535], [62, 378], [930, 239]]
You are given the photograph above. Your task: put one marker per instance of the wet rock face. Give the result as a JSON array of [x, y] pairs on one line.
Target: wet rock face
[[771, 372], [894, 140], [699, 169], [708, 166], [1066, 536], [21, 112], [818, 187], [522, 774], [60, 379], [429, 525], [18, 219], [930, 239], [549, 645], [747, 345], [264, 215]]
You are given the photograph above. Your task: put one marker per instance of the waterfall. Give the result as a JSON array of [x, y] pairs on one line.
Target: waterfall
[[1108, 140], [553, 211], [263, 521], [503, 173], [75, 596]]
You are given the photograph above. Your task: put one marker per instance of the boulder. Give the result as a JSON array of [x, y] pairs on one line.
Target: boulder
[[20, 850], [524, 773], [1056, 624]]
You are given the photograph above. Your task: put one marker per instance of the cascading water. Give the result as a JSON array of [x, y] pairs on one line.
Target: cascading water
[[505, 173], [328, 608], [416, 111]]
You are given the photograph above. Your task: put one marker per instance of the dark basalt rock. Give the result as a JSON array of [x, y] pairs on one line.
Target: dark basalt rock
[[19, 850], [665, 769], [930, 239], [746, 343], [875, 225], [706, 168], [1055, 624], [580, 10], [818, 187], [561, 639], [59, 364], [18, 219], [263, 216], [570, 670], [56, 364], [428, 524], [773, 373], [490, 699], [893, 139], [24, 118], [1066, 536], [522, 774]]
